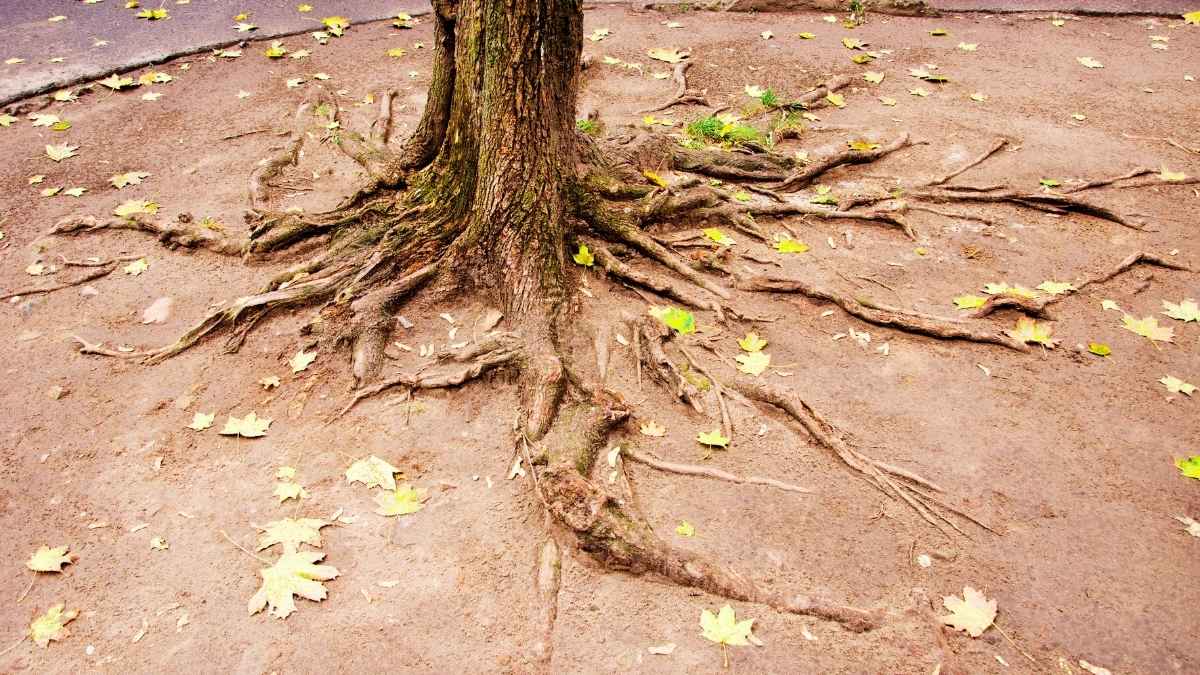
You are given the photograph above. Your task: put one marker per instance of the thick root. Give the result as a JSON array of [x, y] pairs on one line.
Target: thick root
[[881, 315], [183, 233], [683, 95], [815, 168]]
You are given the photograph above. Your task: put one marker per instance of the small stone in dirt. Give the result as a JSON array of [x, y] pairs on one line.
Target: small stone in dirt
[[89, 291], [924, 560], [404, 322], [662, 650], [158, 311], [56, 392]]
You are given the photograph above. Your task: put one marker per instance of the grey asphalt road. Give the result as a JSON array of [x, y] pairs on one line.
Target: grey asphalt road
[[96, 39], [100, 38]]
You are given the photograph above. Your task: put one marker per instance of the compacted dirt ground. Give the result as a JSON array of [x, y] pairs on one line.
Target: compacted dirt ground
[[1069, 456]]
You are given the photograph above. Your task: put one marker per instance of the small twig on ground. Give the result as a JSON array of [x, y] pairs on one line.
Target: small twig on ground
[[717, 389], [708, 472], [1020, 651], [27, 588], [243, 549]]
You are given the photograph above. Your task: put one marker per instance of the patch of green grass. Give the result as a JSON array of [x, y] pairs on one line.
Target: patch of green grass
[[729, 132], [769, 99], [587, 126]]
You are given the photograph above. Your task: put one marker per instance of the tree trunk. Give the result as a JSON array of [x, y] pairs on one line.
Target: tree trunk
[[501, 114]]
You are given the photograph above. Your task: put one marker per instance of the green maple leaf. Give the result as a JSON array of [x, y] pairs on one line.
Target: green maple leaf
[[1189, 467], [753, 363], [1028, 330], [584, 256], [723, 628], [291, 532], [1185, 311], [373, 472], [713, 438], [680, 320], [752, 343], [402, 501], [295, 573], [249, 426], [715, 234], [1099, 348], [1148, 328]]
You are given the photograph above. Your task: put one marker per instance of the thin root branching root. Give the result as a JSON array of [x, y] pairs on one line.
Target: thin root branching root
[[97, 269], [1040, 306], [683, 95]]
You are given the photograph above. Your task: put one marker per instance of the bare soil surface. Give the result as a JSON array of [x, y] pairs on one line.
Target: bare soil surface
[[1069, 456]]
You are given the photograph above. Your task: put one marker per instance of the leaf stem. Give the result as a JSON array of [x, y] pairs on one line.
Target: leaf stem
[[243, 549]]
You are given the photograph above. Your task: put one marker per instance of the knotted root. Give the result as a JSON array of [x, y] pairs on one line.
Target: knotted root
[[183, 233]]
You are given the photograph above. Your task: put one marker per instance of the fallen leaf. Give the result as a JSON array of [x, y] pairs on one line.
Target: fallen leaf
[[159, 544], [291, 532], [1094, 669], [836, 100], [155, 14], [919, 92], [713, 438], [969, 301], [1148, 328], [249, 426], [789, 245], [972, 613], [752, 343], [662, 650], [1099, 348], [753, 363], [873, 77], [201, 421], [1169, 176], [599, 34], [1193, 527], [1028, 330], [401, 501], [52, 625], [652, 428], [717, 235], [134, 206], [1089, 62], [373, 472], [666, 55], [680, 320], [60, 152], [723, 627], [286, 491], [301, 360], [1055, 287], [1189, 467], [890, 102], [1110, 304], [1186, 310], [685, 529], [968, 46], [295, 573], [270, 381], [47, 559], [158, 311], [1177, 386], [136, 267]]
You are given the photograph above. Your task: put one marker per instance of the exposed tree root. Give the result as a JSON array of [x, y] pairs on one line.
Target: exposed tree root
[[708, 472], [99, 270], [547, 581], [683, 95], [1039, 306], [663, 287], [816, 167], [183, 233], [881, 315], [995, 147]]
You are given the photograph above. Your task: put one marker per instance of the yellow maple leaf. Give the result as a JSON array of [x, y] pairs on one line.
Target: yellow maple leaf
[[401, 502], [136, 267], [1192, 18], [286, 491], [291, 532], [1148, 328], [47, 559], [295, 573], [752, 343], [52, 625], [200, 421], [373, 472], [1028, 330], [972, 613], [652, 428], [249, 426], [667, 55], [753, 363]]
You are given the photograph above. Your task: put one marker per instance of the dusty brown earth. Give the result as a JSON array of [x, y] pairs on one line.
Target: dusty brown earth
[[1069, 456]]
